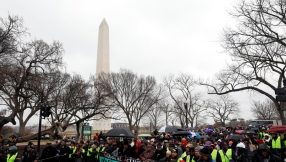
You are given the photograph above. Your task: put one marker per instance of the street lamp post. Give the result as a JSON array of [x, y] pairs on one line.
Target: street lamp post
[[186, 107], [40, 122]]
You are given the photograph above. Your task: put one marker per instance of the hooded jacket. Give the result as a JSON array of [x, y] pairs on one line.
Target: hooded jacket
[[272, 157]]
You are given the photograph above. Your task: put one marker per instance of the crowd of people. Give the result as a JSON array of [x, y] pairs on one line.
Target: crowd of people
[[261, 146]]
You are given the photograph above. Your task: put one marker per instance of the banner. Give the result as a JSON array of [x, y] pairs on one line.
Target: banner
[[116, 159]]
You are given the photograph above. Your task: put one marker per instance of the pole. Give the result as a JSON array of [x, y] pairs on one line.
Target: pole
[[40, 123], [186, 107]]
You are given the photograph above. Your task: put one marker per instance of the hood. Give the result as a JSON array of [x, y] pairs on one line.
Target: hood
[[263, 147]]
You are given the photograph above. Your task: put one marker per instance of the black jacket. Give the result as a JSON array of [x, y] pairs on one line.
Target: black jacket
[[159, 155], [259, 158], [48, 152], [3, 158]]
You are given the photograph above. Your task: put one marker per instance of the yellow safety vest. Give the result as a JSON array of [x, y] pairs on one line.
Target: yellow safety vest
[[98, 151], [184, 154], [261, 134], [73, 151], [228, 156], [193, 160], [11, 158], [214, 154], [276, 143], [88, 152]]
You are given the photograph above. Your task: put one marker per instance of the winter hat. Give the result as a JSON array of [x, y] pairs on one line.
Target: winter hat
[[205, 152], [175, 150], [198, 148], [241, 145], [12, 148]]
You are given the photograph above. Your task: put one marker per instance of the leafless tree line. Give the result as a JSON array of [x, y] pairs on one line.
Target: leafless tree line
[[33, 70]]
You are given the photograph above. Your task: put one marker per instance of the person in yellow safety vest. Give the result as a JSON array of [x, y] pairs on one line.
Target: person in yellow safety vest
[[284, 139], [205, 156], [100, 149], [226, 154], [13, 155], [186, 156], [210, 147], [261, 134], [72, 147], [80, 152], [275, 143], [91, 154]]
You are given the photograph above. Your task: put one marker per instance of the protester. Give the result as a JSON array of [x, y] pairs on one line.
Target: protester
[[138, 149], [175, 155], [148, 154], [159, 153], [214, 153], [167, 158], [205, 156], [244, 155], [64, 151], [31, 154], [48, 153], [265, 155]]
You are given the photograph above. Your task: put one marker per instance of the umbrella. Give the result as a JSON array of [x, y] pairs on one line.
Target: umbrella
[[167, 129], [188, 129], [205, 136], [208, 130], [236, 137], [119, 132], [248, 132], [239, 131], [144, 135], [182, 133], [277, 128]]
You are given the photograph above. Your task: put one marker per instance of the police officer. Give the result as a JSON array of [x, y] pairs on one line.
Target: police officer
[[13, 155], [275, 143]]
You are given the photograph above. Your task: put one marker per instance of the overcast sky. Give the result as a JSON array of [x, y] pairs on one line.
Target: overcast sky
[[150, 37]]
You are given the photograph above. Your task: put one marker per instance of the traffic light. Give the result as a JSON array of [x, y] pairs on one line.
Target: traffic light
[[280, 93], [46, 112]]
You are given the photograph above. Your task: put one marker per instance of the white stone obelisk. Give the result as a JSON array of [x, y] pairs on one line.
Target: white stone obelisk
[[102, 66]]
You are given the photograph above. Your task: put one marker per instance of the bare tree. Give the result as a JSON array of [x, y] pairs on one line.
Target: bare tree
[[11, 32], [167, 109], [134, 96], [154, 116], [264, 110], [222, 109], [19, 88], [180, 90], [257, 49]]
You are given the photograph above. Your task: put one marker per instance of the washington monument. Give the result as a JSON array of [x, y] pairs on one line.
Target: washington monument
[[102, 66]]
